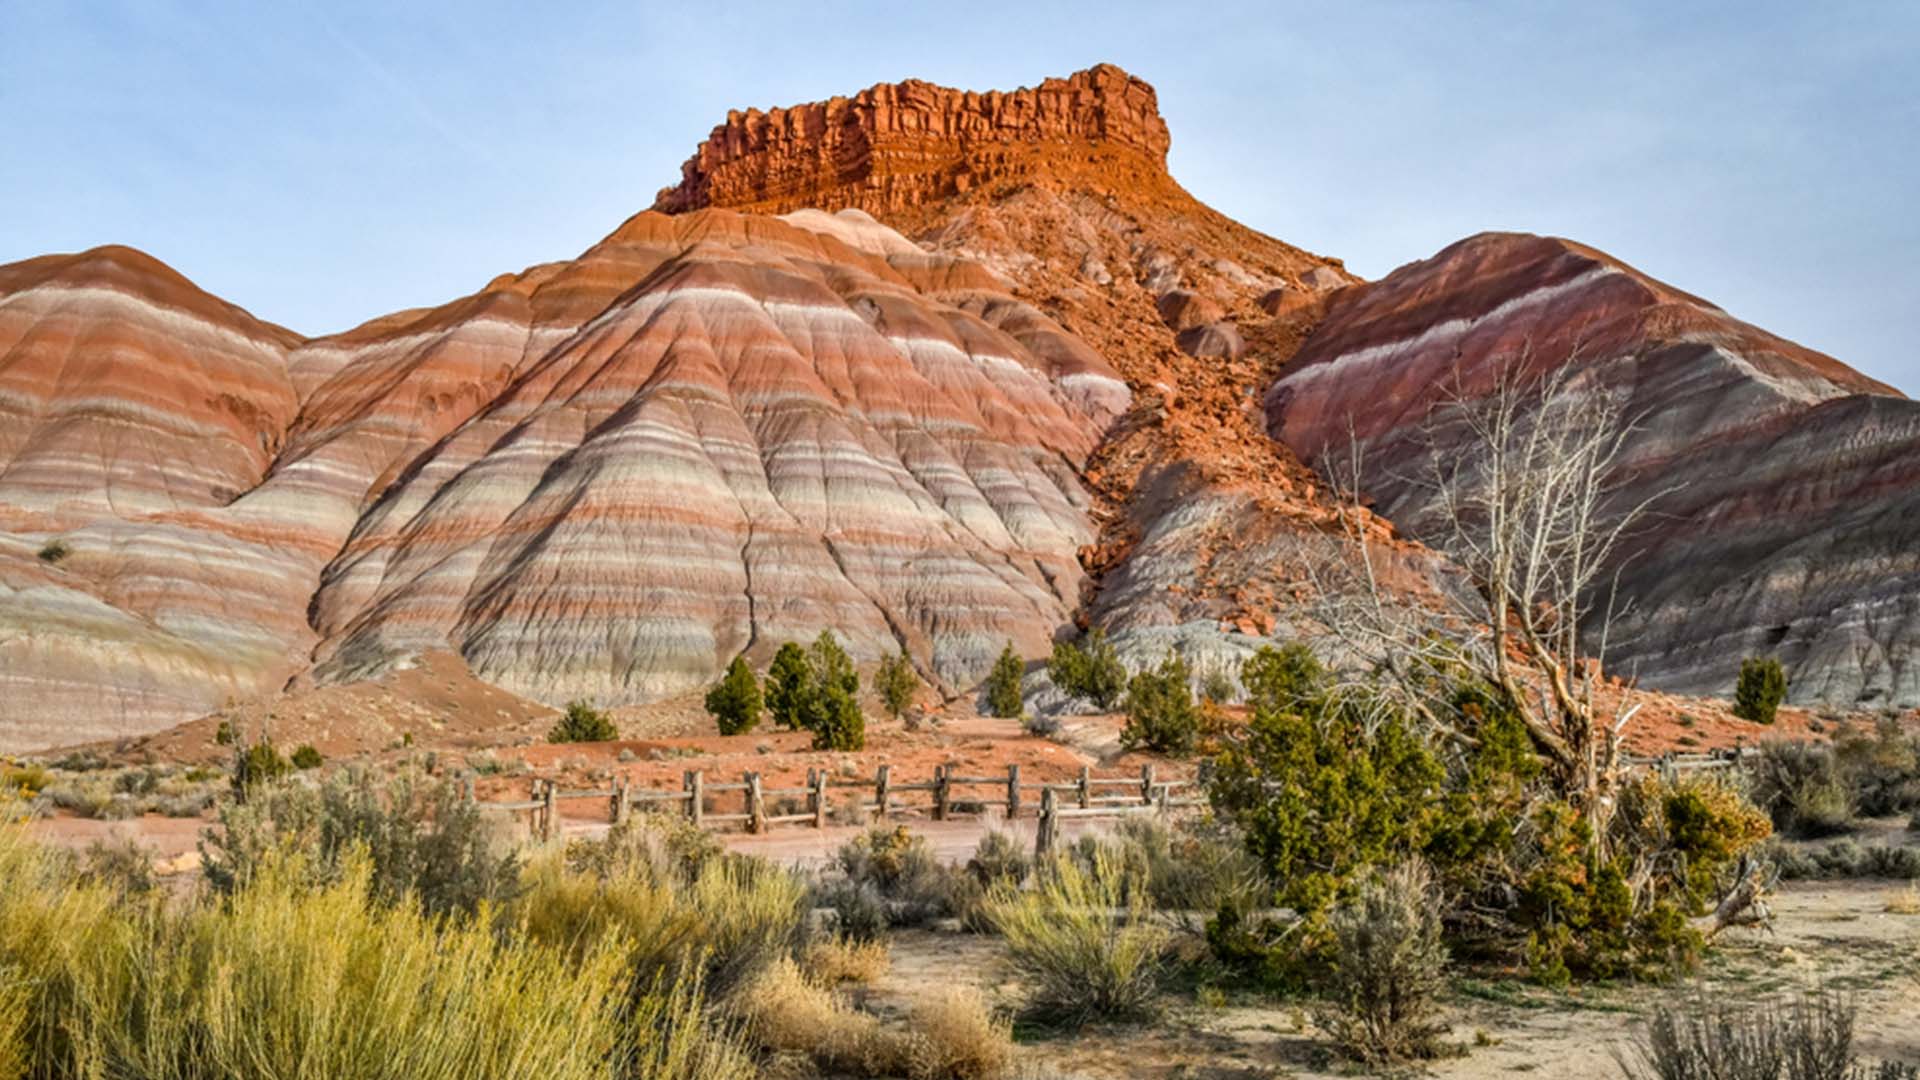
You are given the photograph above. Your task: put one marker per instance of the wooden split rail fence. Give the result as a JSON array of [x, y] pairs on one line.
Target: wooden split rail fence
[[1086, 797]]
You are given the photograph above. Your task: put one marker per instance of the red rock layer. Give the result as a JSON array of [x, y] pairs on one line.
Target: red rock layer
[[1789, 528], [897, 146]]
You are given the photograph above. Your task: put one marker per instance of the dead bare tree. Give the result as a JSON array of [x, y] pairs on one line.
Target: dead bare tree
[[1521, 493]]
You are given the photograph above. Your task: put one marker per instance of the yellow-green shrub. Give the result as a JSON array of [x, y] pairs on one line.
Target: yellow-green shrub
[[1084, 938]]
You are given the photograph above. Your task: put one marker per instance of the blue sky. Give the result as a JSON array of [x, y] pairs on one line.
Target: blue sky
[[323, 164]]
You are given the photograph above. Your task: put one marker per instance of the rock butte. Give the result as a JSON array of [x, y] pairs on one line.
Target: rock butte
[[932, 368]]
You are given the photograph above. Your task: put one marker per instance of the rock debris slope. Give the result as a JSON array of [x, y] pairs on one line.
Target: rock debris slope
[[1791, 515]]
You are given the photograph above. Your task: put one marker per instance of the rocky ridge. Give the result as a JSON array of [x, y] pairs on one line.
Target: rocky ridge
[[1785, 508]]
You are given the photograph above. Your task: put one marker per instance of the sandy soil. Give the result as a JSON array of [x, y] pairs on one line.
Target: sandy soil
[[1839, 935]]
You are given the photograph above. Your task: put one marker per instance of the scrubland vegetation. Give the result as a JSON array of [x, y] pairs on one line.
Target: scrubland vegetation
[[1354, 864]]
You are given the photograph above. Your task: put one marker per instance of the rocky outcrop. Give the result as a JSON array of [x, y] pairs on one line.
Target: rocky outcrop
[[900, 146], [1787, 508]]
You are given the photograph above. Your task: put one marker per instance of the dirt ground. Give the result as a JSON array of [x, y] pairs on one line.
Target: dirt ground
[[1837, 935]]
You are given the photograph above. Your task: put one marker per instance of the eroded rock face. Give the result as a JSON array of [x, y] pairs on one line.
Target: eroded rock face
[[898, 146], [1790, 528], [600, 478]]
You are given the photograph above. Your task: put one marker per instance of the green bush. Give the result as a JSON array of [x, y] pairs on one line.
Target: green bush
[[255, 764], [1388, 970], [305, 757], [1003, 684], [1284, 679], [1760, 690], [1881, 767], [54, 551], [1325, 787], [1161, 715], [895, 682], [1084, 939], [789, 686], [1217, 685], [1091, 671], [581, 723], [734, 701]]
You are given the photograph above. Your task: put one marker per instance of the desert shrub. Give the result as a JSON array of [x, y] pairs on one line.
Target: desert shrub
[[1881, 768], [1801, 788], [955, 1036], [892, 870], [1807, 1038], [24, 782], [1217, 685], [999, 860], [1760, 690], [1041, 725], [580, 723], [422, 840], [1192, 868], [122, 866], [1003, 684], [1846, 859], [306, 757], [718, 922], [54, 551], [1085, 939], [837, 960], [1388, 968], [734, 701], [1325, 786], [255, 764], [283, 974], [1160, 712], [895, 681], [1090, 671], [785, 1015]]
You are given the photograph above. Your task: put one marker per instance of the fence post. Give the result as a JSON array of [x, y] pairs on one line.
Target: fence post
[[1086, 787], [940, 793], [622, 800], [696, 797], [1043, 836], [756, 805], [820, 800], [1165, 795], [880, 790], [1013, 791], [1146, 784], [549, 818]]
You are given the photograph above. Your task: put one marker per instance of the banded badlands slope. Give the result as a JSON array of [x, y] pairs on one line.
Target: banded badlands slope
[[600, 478], [1787, 507], [1062, 192]]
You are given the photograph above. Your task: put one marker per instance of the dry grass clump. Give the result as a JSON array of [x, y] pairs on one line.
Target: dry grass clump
[[1084, 939], [839, 960], [798, 1020], [955, 1036], [1904, 901]]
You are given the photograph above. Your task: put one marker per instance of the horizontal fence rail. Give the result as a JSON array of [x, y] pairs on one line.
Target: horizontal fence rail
[[878, 796]]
